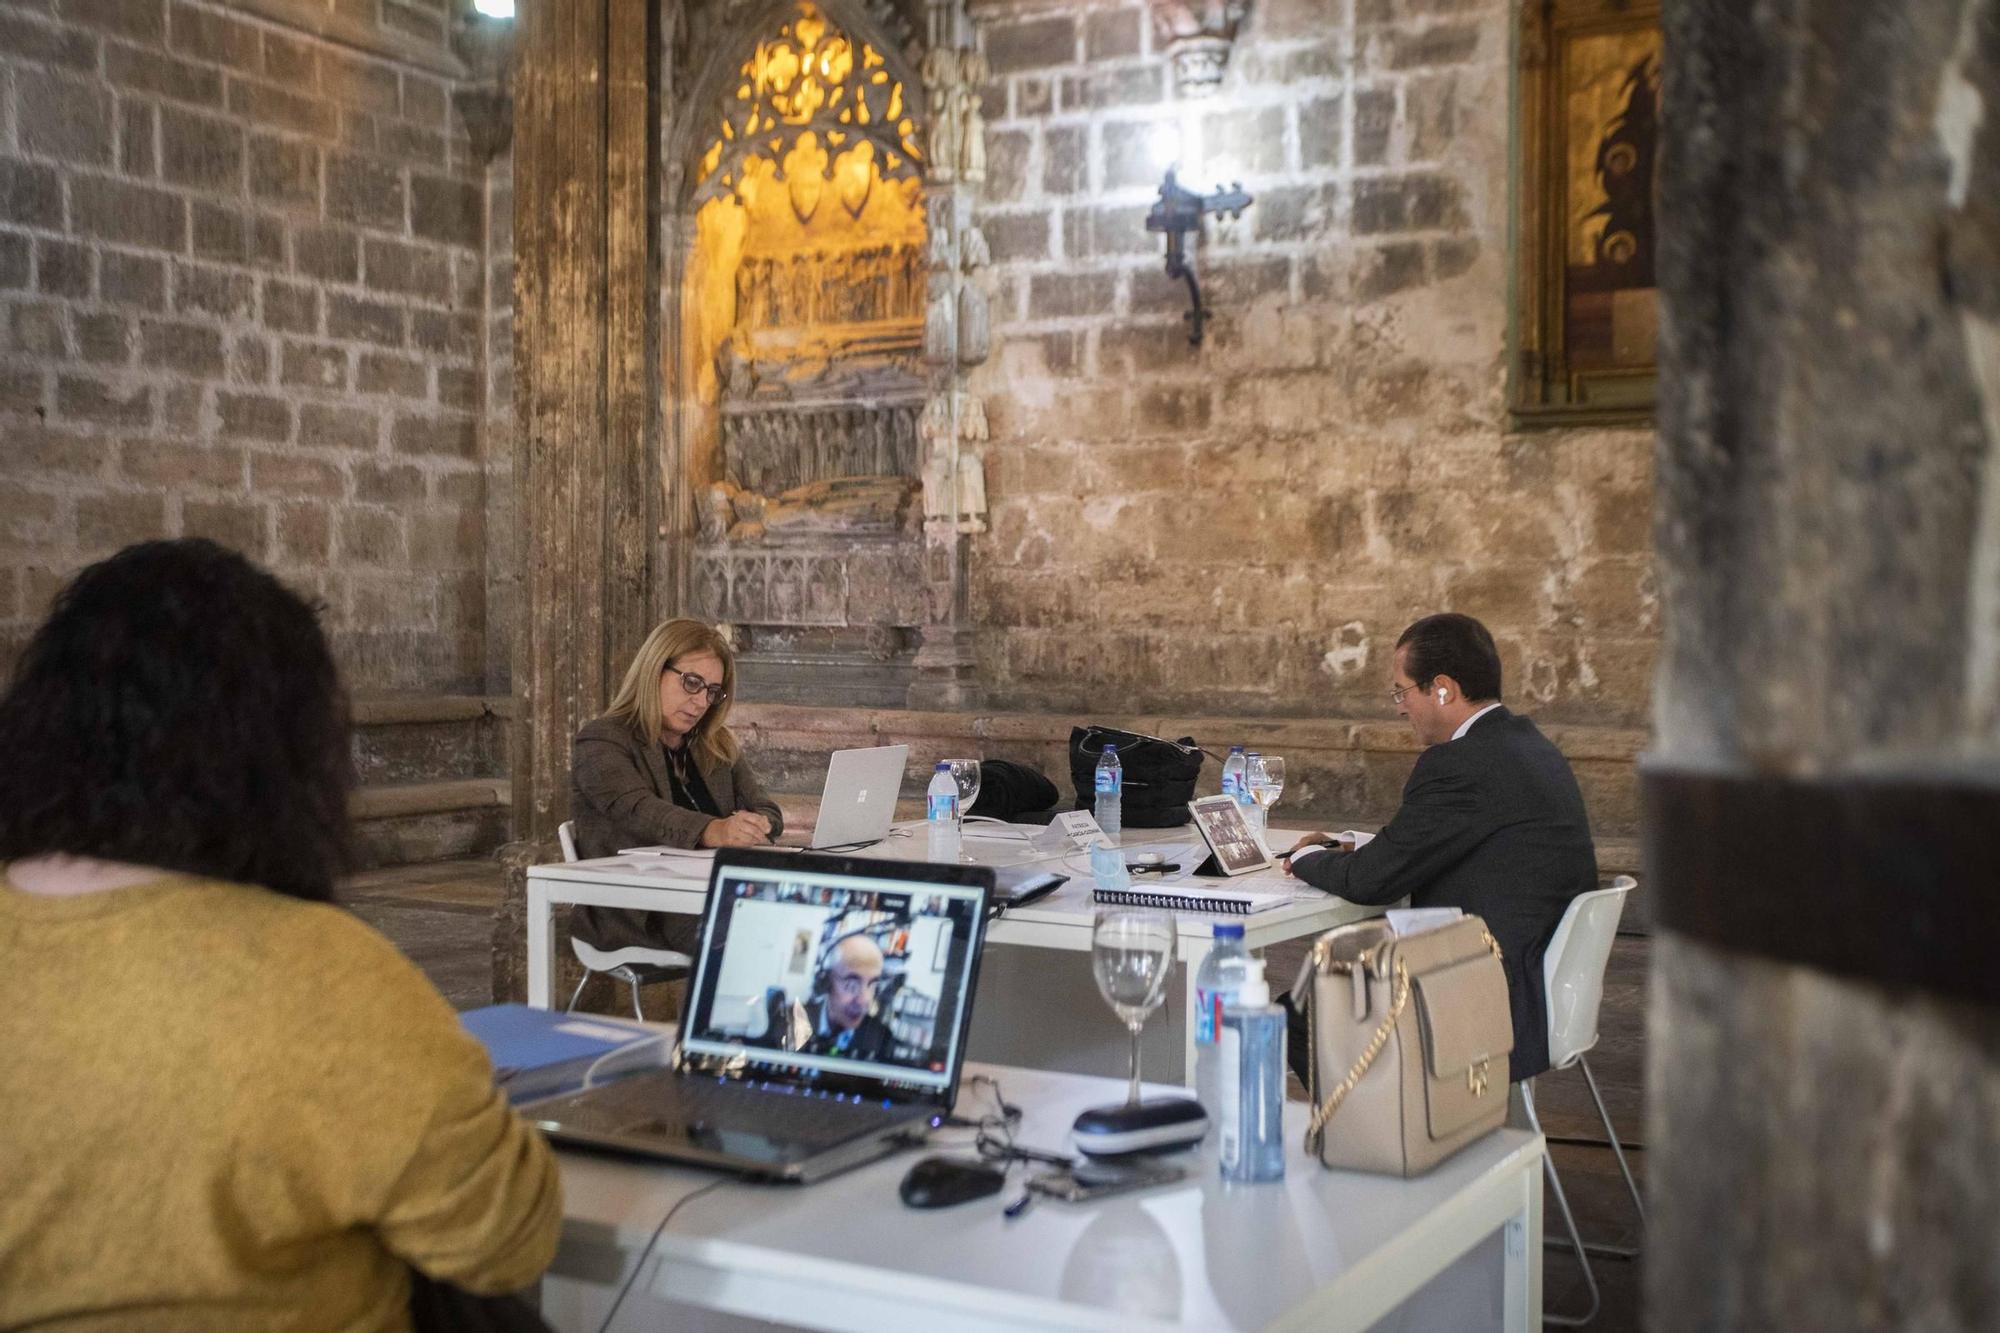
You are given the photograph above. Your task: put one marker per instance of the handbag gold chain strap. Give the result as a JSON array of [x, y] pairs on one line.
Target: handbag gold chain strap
[[1316, 1128]]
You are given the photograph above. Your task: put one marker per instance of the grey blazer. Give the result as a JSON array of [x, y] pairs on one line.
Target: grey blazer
[[619, 796]]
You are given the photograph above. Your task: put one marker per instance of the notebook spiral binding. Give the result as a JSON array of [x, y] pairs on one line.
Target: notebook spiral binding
[[1179, 902]]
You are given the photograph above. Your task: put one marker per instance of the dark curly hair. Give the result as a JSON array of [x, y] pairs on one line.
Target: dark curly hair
[[180, 709]]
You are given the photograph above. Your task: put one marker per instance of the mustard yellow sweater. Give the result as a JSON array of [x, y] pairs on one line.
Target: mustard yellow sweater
[[221, 1108]]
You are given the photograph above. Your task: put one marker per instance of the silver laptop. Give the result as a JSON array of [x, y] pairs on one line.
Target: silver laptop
[[825, 1025], [859, 802]]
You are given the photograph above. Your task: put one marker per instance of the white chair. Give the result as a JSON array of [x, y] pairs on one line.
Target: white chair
[[634, 966], [1573, 976]]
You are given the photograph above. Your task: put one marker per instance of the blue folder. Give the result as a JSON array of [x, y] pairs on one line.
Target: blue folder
[[538, 1052]]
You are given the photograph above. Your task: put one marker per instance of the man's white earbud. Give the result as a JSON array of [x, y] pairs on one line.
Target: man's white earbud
[[1440, 696]]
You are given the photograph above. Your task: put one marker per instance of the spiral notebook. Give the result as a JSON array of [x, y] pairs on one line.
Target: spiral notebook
[[1225, 901]]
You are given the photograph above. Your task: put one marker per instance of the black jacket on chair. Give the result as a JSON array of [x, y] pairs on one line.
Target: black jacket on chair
[[1491, 823]]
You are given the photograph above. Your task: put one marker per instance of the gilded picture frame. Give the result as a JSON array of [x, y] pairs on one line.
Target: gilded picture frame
[[1586, 303]]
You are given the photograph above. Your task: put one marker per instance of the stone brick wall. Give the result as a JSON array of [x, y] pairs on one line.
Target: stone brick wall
[[1246, 527], [243, 277]]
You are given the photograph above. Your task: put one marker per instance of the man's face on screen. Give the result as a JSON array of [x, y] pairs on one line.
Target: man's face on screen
[[851, 982]]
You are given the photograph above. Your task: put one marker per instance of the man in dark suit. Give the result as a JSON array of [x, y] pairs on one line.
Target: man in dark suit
[[1491, 821], [840, 1018]]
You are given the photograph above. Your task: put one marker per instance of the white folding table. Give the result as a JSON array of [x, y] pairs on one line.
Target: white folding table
[[1027, 1012], [1460, 1248]]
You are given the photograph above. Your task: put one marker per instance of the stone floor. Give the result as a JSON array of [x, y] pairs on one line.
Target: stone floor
[[441, 916]]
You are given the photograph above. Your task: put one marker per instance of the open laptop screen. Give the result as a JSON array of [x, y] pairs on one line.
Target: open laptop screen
[[812, 973]]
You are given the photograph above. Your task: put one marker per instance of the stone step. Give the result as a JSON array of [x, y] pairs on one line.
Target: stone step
[[409, 822], [431, 773], [421, 738]]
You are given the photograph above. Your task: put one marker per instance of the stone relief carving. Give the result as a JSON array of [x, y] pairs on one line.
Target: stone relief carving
[[873, 285], [941, 79], [971, 119], [970, 479], [1198, 38], [837, 469], [809, 98]]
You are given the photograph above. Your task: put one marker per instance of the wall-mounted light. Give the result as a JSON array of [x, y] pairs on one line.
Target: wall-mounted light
[[1177, 213], [495, 9]]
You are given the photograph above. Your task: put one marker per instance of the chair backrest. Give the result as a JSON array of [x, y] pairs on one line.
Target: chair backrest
[[1573, 969], [566, 831]]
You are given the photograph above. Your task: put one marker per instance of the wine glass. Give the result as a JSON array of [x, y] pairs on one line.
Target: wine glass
[[1132, 953], [965, 772], [1266, 779]]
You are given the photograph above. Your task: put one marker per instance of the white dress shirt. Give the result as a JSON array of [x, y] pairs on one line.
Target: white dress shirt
[[1466, 725]]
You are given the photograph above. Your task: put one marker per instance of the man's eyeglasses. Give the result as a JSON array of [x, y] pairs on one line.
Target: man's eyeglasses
[[853, 983], [1396, 696], [694, 684]]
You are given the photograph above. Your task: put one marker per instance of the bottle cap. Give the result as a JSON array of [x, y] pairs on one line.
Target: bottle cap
[[1255, 992], [1236, 749], [943, 766], [1229, 930], [1110, 749]]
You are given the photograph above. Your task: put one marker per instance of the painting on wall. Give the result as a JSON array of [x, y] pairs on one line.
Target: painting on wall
[[1587, 304]]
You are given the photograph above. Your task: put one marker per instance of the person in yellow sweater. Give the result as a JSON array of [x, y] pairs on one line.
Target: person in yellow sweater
[[224, 1102]]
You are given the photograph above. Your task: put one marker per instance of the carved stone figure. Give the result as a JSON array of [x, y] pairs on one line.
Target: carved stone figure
[[975, 333], [718, 513], [939, 318], [971, 119], [941, 83], [842, 505]]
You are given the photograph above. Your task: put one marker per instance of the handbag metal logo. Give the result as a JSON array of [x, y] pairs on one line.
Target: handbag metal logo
[[1476, 1077]]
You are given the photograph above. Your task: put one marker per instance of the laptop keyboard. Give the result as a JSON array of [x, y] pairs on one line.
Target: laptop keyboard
[[666, 1103]]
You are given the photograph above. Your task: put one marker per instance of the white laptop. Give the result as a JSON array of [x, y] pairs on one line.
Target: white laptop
[[859, 802]]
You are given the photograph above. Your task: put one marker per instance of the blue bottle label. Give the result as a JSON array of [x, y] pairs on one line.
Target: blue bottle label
[[943, 807], [1207, 1015], [1108, 781]]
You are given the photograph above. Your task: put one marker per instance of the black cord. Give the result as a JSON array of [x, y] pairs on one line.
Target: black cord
[[646, 1253]]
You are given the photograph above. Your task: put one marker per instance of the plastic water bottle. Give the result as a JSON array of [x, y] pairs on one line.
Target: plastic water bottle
[[1110, 793], [1251, 1058], [1233, 769], [941, 816], [1215, 986]]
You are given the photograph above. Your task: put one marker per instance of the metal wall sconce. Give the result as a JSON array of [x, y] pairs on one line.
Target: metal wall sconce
[[1177, 213]]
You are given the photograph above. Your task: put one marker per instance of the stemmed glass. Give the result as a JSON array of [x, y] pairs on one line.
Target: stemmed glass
[[1132, 953], [965, 772], [1266, 780]]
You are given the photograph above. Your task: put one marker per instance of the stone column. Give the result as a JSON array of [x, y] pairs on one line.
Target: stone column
[[586, 391], [956, 337], [1820, 808]]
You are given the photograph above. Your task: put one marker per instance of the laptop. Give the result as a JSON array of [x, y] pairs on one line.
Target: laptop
[[825, 1021], [859, 802]]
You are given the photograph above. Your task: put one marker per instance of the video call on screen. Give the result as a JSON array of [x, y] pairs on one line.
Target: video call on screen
[[852, 977]]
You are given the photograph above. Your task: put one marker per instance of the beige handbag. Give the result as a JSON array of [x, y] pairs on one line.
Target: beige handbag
[[1416, 1028]]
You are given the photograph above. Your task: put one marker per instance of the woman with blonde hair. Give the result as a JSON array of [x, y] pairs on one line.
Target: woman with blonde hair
[[662, 767]]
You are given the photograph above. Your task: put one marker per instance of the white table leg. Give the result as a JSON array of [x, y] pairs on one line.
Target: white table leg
[[1521, 1300], [541, 945], [1193, 953]]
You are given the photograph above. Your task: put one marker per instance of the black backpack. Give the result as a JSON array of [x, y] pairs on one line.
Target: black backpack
[[1159, 775], [1011, 792]]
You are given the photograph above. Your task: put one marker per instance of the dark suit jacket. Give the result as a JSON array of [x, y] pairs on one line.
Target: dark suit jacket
[[1492, 823], [619, 796]]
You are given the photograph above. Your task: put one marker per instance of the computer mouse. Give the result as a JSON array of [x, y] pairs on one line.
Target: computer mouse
[[940, 1182]]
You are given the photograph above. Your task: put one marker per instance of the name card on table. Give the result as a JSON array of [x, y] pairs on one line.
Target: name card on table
[[1080, 827]]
